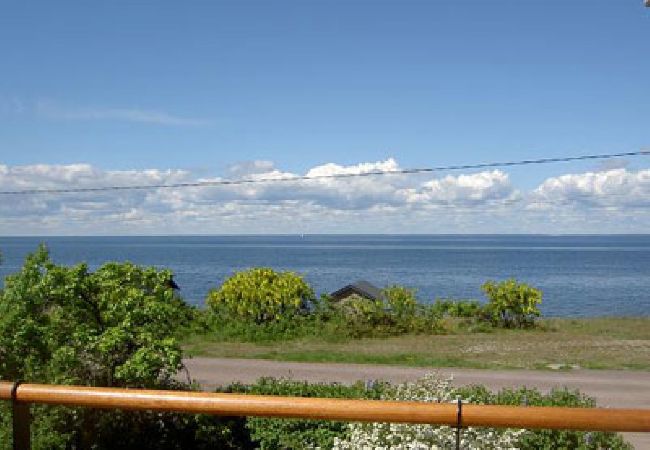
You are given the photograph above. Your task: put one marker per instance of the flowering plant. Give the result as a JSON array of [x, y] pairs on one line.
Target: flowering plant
[[430, 388]]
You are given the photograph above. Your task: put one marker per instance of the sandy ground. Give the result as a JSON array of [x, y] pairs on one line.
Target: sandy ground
[[614, 389]]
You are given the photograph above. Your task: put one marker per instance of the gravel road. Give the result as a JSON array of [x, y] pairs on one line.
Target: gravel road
[[611, 388]]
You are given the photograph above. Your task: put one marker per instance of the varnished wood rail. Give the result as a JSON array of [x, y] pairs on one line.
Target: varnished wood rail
[[529, 417]]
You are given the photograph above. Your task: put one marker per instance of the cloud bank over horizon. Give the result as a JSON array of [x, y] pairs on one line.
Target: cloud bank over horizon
[[610, 200]]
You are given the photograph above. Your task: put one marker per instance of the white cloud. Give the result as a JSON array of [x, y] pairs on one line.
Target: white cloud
[[334, 169], [484, 202], [54, 110], [618, 188], [465, 189]]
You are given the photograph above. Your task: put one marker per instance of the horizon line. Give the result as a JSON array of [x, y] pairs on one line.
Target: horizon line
[[313, 234]]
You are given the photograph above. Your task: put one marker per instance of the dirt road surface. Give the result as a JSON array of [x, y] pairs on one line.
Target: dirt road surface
[[611, 388]]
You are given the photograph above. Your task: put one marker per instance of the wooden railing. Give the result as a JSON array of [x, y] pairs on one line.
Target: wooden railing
[[452, 414]]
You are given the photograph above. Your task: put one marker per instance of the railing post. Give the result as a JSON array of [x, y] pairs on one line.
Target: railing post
[[21, 420], [459, 420]]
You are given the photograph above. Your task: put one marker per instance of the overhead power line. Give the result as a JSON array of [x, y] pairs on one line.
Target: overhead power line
[[523, 162]]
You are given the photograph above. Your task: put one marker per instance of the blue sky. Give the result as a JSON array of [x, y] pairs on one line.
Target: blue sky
[[203, 86]]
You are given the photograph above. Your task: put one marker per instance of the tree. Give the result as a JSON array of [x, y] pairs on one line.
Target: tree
[[262, 295], [512, 304], [111, 327]]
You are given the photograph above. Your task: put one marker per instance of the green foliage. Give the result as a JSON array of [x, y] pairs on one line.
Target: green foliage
[[111, 327], [407, 313], [359, 316], [276, 434], [241, 310], [261, 305], [398, 313], [5, 425], [465, 309], [401, 301], [222, 328], [261, 295], [548, 439], [512, 304], [300, 434]]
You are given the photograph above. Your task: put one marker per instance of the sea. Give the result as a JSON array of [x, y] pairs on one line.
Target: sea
[[586, 275]]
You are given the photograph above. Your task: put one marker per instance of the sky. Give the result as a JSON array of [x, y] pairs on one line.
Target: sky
[[101, 93]]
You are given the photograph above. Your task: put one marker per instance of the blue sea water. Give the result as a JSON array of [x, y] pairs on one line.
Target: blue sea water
[[579, 275]]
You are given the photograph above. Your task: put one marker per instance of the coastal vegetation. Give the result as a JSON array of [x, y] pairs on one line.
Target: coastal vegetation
[[504, 332], [260, 296], [262, 305], [123, 325]]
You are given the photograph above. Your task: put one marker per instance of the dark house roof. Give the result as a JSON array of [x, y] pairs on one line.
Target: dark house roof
[[361, 287], [171, 284]]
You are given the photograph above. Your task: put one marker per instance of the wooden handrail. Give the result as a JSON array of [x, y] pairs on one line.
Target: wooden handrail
[[530, 417]]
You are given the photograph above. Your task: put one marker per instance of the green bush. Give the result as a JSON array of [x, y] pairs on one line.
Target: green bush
[[261, 295], [466, 309], [300, 434], [353, 317], [512, 304], [407, 313], [398, 313], [548, 439], [402, 302], [364, 317], [111, 327], [276, 434], [220, 327], [262, 305]]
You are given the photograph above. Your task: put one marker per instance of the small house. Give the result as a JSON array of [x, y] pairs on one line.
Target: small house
[[361, 288]]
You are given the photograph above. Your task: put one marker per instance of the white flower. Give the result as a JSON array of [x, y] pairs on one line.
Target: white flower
[[433, 389]]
